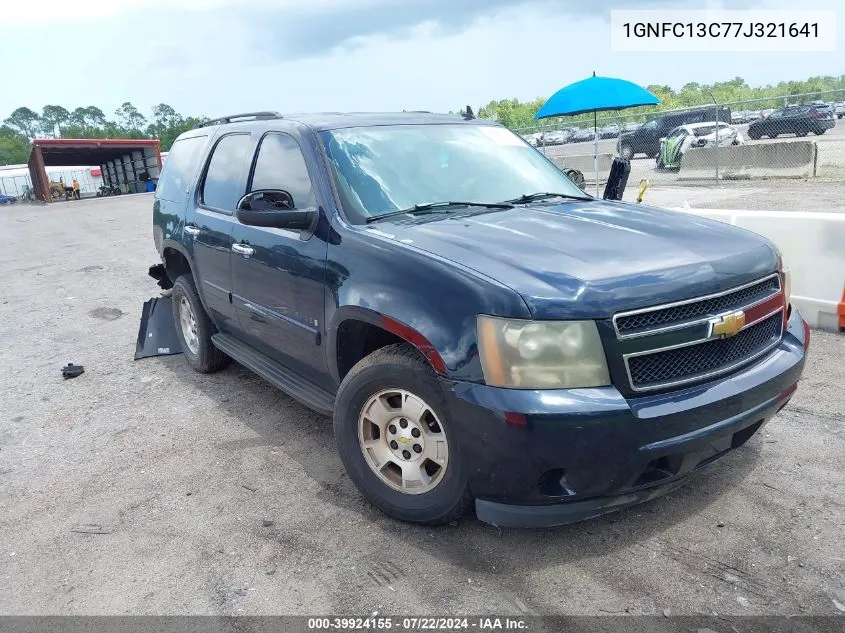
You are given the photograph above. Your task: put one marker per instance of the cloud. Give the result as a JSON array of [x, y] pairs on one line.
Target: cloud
[[298, 30], [293, 33]]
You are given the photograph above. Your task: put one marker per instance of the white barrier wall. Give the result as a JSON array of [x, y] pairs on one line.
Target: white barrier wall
[[796, 159], [813, 247], [586, 164]]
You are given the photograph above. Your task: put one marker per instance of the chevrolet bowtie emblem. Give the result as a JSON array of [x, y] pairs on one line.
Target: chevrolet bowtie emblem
[[727, 325]]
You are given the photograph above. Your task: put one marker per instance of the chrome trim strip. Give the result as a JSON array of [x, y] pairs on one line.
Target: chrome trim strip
[[698, 377], [669, 328]]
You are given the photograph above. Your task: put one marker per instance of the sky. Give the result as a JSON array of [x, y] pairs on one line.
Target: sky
[[216, 57]]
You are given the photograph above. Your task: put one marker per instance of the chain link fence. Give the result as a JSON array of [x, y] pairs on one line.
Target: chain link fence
[[788, 136]]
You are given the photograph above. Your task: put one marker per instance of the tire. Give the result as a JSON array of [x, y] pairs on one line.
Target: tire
[[576, 177], [198, 349], [387, 380], [626, 151]]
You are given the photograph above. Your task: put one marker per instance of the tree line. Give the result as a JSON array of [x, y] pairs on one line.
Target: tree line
[[166, 124], [56, 121], [517, 114]]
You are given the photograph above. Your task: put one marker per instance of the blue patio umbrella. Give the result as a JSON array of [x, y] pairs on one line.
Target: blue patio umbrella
[[592, 95]]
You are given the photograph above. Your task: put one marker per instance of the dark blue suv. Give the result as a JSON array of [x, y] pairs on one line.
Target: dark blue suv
[[481, 330]]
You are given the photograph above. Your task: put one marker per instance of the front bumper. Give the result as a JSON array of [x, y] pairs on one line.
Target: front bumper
[[550, 457]]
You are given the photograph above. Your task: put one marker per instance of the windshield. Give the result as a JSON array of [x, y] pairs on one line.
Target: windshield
[[387, 168], [706, 130]]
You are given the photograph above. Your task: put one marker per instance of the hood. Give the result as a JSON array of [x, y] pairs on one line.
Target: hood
[[591, 259]]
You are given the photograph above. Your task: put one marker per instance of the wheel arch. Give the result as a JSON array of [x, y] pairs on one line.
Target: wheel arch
[[177, 261], [357, 332]]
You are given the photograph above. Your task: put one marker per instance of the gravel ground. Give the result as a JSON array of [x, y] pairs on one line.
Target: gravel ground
[[219, 495]]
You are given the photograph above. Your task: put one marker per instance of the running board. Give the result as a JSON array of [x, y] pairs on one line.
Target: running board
[[295, 386]]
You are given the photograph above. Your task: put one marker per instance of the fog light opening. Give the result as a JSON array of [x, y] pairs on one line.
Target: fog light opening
[[554, 484]]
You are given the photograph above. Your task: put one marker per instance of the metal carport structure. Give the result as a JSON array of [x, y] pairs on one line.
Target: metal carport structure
[[120, 160]]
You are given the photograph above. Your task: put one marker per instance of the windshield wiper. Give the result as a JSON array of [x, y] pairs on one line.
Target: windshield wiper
[[431, 207], [542, 195]]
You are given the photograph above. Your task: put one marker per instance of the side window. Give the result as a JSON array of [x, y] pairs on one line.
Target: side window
[[223, 185], [179, 168], [281, 166]]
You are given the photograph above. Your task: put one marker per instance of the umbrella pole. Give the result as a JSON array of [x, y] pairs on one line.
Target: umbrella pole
[[596, 149]]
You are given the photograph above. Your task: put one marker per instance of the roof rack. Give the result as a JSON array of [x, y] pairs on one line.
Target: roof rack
[[254, 116]]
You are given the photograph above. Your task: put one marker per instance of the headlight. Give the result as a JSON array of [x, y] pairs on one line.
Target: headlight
[[541, 354]]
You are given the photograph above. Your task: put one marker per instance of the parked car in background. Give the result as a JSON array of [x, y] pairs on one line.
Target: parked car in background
[[646, 139], [609, 131], [684, 137], [630, 126], [4, 199], [582, 135], [839, 109], [825, 109], [738, 117], [532, 351], [799, 120], [753, 115], [532, 139], [765, 113], [556, 137]]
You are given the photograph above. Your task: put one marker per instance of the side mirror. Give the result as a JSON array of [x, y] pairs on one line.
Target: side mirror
[[274, 208]]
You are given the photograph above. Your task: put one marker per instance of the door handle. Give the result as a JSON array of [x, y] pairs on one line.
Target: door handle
[[192, 230], [243, 249]]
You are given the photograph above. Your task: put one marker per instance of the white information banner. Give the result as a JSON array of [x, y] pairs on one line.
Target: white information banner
[[752, 30]]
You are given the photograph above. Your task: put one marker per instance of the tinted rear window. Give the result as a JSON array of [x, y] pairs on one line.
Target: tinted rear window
[[179, 167], [225, 181]]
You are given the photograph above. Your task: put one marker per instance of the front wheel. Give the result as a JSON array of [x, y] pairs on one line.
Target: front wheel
[[397, 440]]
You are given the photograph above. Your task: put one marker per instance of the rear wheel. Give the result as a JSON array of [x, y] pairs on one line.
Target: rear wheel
[[194, 328], [396, 438]]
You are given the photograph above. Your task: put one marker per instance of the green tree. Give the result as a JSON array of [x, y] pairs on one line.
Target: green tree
[[130, 120], [77, 117], [52, 119], [94, 117], [24, 121], [14, 147]]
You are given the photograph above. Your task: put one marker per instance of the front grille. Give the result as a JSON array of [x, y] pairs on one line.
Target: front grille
[[672, 315], [694, 361]]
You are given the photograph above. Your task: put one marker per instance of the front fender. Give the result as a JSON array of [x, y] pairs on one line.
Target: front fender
[[430, 302]]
